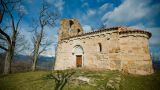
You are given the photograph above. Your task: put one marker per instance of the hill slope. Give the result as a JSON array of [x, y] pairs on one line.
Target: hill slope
[[81, 80]]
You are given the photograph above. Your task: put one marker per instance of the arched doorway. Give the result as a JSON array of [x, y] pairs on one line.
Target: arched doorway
[[78, 53]]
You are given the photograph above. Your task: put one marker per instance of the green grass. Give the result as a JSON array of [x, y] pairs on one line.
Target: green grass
[[38, 81], [150, 82], [26, 81]]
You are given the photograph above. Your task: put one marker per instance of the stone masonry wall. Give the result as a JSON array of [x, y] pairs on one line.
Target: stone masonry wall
[[135, 57]]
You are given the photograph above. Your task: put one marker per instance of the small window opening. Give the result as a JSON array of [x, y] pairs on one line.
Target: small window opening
[[71, 23], [100, 47], [78, 30]]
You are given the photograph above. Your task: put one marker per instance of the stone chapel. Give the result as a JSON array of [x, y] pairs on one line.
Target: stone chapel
[[117, 48]]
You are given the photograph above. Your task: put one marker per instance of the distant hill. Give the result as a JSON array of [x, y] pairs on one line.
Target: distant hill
[[156, 65], [24, 62], [44, 62]]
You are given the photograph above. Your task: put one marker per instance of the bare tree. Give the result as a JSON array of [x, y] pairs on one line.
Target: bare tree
[[9, 9], [61, 78], [45, 18]]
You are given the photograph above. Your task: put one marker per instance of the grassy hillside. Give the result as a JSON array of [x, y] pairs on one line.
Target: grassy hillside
[[81, 80]]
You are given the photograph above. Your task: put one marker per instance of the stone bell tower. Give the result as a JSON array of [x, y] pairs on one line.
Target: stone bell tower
[[69, 28]]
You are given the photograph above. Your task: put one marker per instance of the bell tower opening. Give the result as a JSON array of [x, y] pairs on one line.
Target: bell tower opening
[[78, 30], [71, 23]]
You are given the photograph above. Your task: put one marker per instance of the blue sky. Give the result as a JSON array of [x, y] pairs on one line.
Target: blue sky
[[142, 14]]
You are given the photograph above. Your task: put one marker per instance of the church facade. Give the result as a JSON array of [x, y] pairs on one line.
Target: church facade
[[116, 48]]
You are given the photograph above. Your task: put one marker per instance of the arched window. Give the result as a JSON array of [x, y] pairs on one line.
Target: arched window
[[71, 23], [100, 47]]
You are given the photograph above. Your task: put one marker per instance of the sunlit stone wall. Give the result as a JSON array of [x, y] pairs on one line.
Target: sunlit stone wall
[[117, 48]]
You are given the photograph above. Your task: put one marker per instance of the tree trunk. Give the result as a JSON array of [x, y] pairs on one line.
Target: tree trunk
[[36, 50], [35, 57], [8, 61], [9, 55]]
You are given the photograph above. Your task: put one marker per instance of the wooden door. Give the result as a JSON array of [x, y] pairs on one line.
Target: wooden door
[[79, 60]]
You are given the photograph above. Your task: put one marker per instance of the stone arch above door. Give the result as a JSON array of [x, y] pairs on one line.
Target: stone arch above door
[[77, 50]]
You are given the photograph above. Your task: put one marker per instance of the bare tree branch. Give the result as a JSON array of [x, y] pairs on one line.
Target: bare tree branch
[[48, 43], [6, 35], [2, 38], [19, 20], [3, 48]]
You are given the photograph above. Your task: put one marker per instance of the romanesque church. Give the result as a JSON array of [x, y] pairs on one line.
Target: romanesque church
[[117, 48]]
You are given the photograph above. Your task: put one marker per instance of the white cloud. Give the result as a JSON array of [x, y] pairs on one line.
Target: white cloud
[[91, 12], [106, 6], [129, 10], [85, 5], [59, 4], [87, 28], [154, 40], [50, 52], [21, 8], [155, 35], [139, 26]]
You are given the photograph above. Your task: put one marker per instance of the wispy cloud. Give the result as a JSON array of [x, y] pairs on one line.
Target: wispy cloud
[[85, 5], [59, 4], [130, 11], [23, 9], [106, 6], [87, 28], [91, 12]]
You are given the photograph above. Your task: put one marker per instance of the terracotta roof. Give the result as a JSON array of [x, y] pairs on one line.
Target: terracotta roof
[[121, 29], [132, 30]]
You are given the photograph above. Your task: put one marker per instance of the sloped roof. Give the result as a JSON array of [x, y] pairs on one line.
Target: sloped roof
[[124, 29], [121, 30]]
